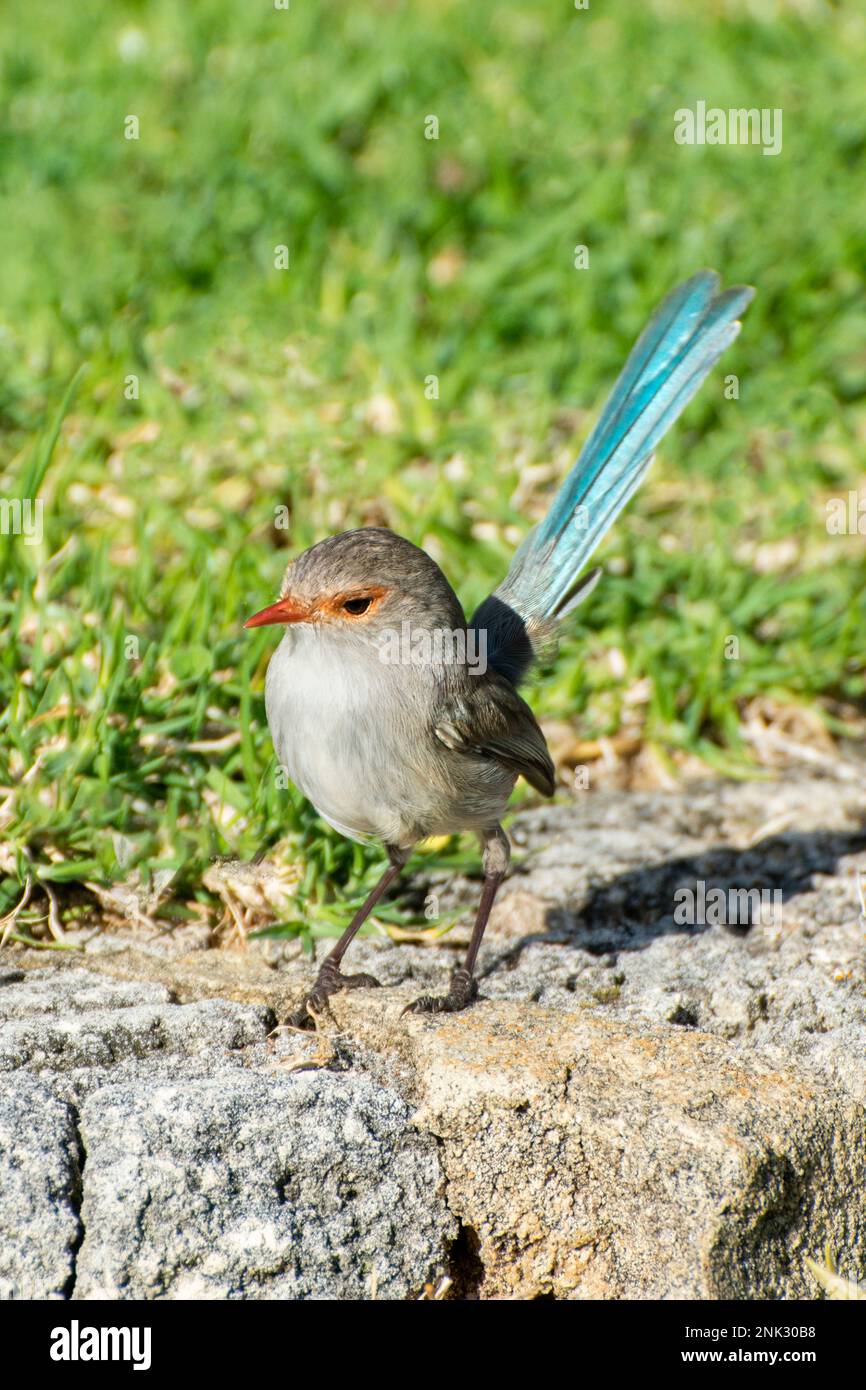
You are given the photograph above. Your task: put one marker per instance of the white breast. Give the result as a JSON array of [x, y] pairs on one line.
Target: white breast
[[354, 734], [322, 711]]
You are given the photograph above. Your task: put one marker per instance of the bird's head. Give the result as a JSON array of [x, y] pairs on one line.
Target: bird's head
[[361, 583]]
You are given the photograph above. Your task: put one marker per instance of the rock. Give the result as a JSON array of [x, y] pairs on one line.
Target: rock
[[594, 1159], [100, 1037], [310, 1186], [636, 1107], [63, 992], [40, 1191], [206, 1174]]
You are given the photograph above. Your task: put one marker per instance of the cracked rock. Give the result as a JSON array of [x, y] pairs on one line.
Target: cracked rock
[[252, 1186]]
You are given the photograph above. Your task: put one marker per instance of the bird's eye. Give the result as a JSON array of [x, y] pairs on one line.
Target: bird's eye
[[357, 605]]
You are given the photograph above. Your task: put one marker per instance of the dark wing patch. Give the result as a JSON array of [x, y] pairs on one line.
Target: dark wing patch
[[488, 719]]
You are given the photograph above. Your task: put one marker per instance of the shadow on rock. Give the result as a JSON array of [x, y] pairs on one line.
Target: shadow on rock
[[728, 888]]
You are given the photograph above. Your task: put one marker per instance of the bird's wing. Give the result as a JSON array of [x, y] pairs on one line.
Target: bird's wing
[[488, 719]]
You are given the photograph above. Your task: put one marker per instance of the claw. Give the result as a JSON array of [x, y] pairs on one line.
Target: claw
[[329, 981], [462, 992]]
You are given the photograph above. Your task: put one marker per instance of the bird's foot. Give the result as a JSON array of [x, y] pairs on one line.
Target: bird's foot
[[329, 981], [461, 992]]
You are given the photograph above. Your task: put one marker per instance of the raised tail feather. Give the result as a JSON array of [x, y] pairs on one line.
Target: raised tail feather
[[682, 341]]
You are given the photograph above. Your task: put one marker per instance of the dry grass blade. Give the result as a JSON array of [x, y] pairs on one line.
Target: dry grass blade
[[8, 922], [835, 1286]]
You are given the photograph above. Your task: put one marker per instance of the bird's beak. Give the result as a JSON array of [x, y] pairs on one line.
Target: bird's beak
[[285, 610]]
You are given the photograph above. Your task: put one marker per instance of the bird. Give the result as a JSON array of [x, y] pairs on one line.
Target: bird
[[397, 718]]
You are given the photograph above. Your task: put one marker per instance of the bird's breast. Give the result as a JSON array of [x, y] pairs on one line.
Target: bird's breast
[[354, 734], [319, 716]]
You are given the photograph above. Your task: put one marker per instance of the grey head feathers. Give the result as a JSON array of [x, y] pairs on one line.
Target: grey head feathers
[[371, 556]]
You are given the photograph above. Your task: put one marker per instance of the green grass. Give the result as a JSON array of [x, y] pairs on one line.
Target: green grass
[[306, 388]]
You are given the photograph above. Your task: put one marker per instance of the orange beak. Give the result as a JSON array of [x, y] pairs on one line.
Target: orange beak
[[285, 610]]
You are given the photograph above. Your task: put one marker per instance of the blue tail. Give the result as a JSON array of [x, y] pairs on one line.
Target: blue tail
[[684, 338]]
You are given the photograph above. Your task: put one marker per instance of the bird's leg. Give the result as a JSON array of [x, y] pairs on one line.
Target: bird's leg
[[464, 986], [330, 980]]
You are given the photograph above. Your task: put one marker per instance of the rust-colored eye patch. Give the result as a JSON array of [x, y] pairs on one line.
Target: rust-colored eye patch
[[354, 603]]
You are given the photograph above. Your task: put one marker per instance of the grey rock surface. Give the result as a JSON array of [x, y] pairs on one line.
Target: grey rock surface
[[101, 1037], [305, 1186], [638, 1106], [40, 1191], [47, 992], [205, 1171]]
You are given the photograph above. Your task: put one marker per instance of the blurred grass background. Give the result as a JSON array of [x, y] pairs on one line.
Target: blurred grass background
[[305, 388]]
